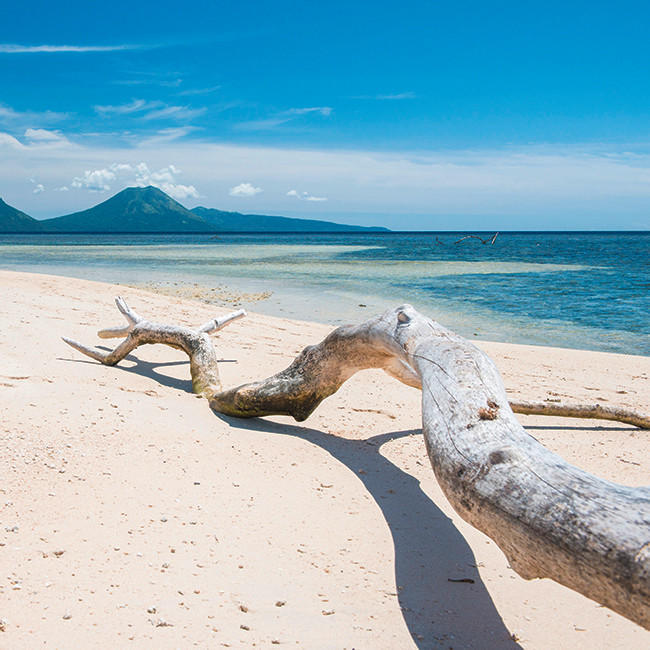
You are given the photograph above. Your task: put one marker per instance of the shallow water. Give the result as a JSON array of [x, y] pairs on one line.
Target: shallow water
[[581, 290]]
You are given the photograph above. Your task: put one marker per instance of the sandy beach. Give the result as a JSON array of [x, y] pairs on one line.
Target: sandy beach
[[131, 515]]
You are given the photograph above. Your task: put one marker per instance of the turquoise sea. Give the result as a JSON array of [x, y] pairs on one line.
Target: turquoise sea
[[577, 290]]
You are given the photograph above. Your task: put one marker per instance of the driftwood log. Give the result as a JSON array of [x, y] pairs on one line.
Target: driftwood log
[[551, 519]]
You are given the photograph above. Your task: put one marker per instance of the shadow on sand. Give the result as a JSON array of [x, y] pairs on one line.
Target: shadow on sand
[[150, 369], [429, 550], [428, 547]]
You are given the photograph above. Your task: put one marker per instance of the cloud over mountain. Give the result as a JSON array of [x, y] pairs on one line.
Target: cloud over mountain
[[101, 180], [245, 189]]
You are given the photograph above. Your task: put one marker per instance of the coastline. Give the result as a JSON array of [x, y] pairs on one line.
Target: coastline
[[159, 504], [531, 289]]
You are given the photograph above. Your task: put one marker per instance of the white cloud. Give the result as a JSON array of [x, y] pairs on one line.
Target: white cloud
[[38, 187], [9, 48], [96, 180], [244, 189], [103, 180], [121, 167], [43, 135], [46, 137], [165, 179], [10, 141], [305, 196], [178, 191]]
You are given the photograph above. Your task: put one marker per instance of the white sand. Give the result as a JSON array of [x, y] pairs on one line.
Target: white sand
[[133, 516]]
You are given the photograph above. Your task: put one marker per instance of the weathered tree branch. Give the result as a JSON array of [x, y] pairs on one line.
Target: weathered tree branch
[[587, 411], [550, 518], [195, 343]]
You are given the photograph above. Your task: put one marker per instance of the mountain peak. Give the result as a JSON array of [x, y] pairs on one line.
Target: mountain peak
[[142, 189], [133, 209], [13, 220]]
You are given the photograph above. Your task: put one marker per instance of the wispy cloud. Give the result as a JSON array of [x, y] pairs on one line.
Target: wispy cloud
[[166, 83], [174, 112], [393, 96], [198, 91], [46, 137], [245, 189], [150, 110], [323, 110], [9, 115], [135, 106], [11, 48], [8, 140], [407, 95], [260, 125], [38, 140], [164, 136], [282, 117], [305, 196]]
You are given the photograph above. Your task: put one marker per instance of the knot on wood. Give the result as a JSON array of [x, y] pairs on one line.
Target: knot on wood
[[403, 317], [489, 413], [498, 457]]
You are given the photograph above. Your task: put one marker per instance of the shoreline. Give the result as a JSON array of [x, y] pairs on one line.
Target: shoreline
[[127, 494], [527, 289], [335, 307]]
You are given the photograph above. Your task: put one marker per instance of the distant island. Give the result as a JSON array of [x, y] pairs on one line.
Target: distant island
[[150, 210]]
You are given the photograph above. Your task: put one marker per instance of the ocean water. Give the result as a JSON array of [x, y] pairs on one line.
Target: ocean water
[[578, 290]]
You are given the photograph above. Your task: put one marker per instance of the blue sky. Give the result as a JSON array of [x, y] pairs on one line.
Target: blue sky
[[412, 115]]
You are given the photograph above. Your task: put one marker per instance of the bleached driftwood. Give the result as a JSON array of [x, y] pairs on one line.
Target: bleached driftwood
[[550, 518], [195, 343], [587, 411]]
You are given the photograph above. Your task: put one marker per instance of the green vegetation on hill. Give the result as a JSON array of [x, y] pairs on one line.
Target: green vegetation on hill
[[237, 222], [12, 220], [135, 209]]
